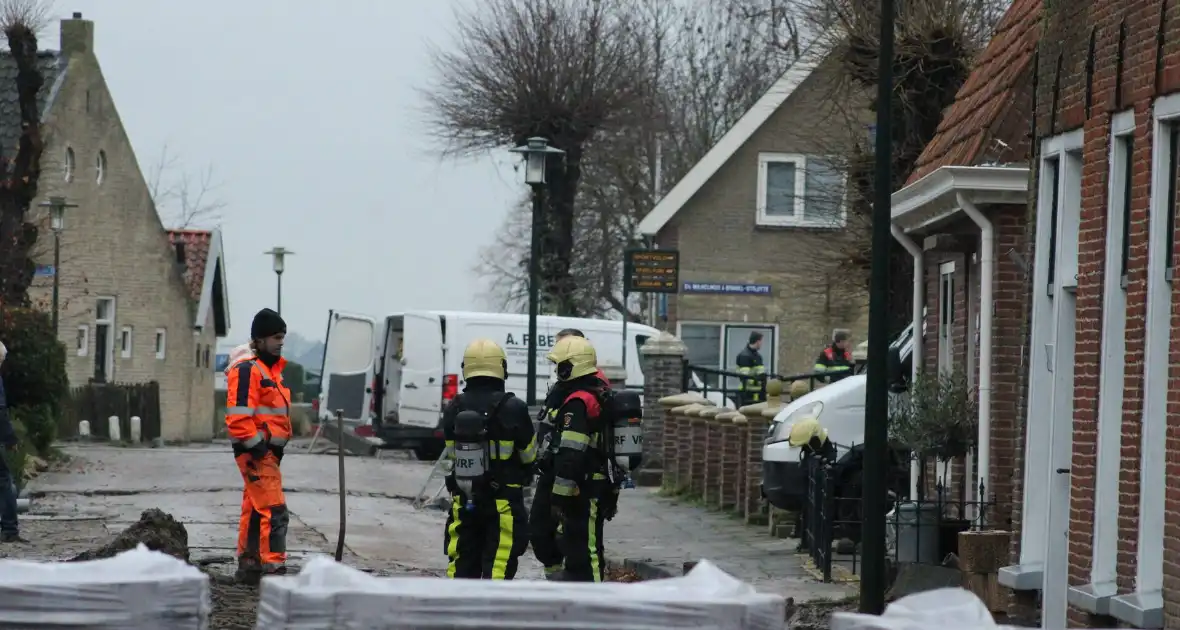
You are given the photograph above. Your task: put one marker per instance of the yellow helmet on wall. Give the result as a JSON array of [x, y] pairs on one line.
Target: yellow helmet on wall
[[804, 430], [574, 358], [484, 357]]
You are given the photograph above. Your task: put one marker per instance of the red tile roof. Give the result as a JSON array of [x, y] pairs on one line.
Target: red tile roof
[[196, 254], [983, 110]]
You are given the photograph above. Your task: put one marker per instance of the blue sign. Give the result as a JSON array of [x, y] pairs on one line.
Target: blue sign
[[220, 362], [726, 288], [44, 271]]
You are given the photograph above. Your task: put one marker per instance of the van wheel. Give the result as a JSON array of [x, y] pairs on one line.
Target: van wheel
[[428, 453]]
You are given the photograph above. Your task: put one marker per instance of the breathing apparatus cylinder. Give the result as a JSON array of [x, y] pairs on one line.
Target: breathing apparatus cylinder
[[471, 452], [627, 429]]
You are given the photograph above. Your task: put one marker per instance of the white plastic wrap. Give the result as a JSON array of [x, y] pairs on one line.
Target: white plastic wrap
[[138, 589], [329, 595], [931, 610]]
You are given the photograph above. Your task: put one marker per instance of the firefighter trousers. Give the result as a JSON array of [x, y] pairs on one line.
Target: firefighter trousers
[[262, 530], [487, 540], [543, 528], [581, 540]]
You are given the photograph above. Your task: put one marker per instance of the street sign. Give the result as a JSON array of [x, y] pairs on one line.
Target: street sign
[[652, 271], [44, 271], [727, 288]]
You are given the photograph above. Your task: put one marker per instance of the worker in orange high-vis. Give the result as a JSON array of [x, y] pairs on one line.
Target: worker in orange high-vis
[[258, 415]]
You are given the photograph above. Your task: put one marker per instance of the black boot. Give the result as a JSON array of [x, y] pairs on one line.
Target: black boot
[[249, 571], [11, 537]]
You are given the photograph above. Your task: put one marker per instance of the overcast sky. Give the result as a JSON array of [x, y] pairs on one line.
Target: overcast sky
[[310, 114]]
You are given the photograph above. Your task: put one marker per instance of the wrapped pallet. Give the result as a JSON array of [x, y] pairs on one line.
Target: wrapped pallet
[[329, 595], [135, 590]]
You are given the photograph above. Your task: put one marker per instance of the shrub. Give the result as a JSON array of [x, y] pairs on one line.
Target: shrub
[[40, 425], [18, 460], [937, 417], [35, 371]]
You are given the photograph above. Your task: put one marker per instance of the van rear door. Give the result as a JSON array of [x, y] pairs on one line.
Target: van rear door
[[348, 366], [420, 399]]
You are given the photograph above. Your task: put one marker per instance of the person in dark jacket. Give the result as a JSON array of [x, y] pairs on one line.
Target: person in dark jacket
[[9, 527], [750, 366], [836, 359]]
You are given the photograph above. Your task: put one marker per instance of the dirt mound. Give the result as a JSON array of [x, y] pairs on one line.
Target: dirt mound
[[155, 529], [235, 606]]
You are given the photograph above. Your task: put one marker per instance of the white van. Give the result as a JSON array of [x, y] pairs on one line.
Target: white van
[[398, 374], [840, 409]]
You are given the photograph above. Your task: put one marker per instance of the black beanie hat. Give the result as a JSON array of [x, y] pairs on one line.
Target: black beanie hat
[[267, 323]]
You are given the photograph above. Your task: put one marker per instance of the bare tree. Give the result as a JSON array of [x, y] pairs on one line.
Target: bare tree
[[705, 66], [183, 200], [21, 20]]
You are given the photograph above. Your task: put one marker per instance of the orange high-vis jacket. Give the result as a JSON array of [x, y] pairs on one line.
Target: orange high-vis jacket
[[258, 405]]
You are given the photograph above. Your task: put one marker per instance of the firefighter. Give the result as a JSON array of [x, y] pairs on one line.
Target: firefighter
[[750, 366], [258, 418], [492, 447], [582, 492], [543, 528], [812, 441], [836, 360]]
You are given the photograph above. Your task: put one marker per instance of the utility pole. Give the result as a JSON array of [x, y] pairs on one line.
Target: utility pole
[[57, 209], [876, 432]]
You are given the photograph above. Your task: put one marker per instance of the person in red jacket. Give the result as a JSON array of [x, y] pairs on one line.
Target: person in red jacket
[[258, 417]]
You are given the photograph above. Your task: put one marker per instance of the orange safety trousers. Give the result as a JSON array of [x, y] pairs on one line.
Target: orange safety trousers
[[262, 531]]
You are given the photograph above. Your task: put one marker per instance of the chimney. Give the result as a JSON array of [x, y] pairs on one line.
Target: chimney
[[77, 35]]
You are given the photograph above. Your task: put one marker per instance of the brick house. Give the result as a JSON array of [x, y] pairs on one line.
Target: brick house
[[964, 217], [137, 304], [752, 221]]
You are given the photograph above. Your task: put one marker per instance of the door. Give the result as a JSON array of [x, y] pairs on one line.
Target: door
[[737, 337], [420, 400], [348, 366], [1061, 366]]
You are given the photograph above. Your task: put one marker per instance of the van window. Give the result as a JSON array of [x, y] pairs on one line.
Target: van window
[[640, 340]]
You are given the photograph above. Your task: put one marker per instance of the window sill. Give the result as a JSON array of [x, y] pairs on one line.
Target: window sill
[[1142, 610], [1022, 577], [1093, 598], [778, 223]]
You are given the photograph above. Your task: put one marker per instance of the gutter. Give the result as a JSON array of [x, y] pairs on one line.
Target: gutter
[[987, 302], [916, 355]]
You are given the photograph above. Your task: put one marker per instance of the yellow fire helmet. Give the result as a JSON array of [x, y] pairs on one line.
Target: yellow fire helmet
[[574, 358], [805, 429], [484, 357]]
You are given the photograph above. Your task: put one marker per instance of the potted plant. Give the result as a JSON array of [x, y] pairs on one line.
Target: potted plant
[[938, 418]]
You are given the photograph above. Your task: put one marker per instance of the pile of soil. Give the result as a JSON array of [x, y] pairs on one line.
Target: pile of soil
[[622, 574], [235, 606], [817, 615], [155, 529]]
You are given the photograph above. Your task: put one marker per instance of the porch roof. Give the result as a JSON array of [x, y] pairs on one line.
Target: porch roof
[[933, 199]]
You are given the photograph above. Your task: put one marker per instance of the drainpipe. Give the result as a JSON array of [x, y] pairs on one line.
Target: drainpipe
[[916, 356], [987, 306]]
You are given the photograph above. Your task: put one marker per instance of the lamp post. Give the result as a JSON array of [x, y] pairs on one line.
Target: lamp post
[[536, 152], [57, 221], [279, 255]]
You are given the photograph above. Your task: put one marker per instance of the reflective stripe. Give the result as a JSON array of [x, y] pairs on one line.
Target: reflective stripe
[[505, 543], [251, 441], [598, 476], [839, 368], [563, 487], [453, 536], [819, 367], [553, 414], [240, 411], [278, 441], [529, 454], [574, 440], [592, 542], [270, 411]]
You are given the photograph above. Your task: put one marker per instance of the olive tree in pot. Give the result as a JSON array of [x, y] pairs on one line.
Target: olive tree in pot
[[937, 419]]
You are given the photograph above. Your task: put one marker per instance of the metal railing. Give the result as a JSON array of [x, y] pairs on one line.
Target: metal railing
[[918, 531], [728, 383]]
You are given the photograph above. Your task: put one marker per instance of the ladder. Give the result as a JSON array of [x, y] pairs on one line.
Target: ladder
[[440, 470]]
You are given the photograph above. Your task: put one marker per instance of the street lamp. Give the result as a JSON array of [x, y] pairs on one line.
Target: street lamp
[[279, 255], [57, 222], [536, 152]]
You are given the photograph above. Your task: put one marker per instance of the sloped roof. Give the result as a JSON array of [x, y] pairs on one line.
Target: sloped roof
[[738, 134], [52, 68], [204, 274], [983, 109]]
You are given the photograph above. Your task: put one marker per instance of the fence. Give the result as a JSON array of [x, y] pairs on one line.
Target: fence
[[918, 530], [728, 384], [97, 402]]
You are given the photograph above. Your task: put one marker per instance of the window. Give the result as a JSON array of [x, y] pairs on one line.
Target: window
[[69, 165], [82, 341], [100, 166], [1170, 171], [715, 346], [1050, 172], [206, 355], [161, 342], [125, 342], [799, 191], [197, 355], [104, 339]]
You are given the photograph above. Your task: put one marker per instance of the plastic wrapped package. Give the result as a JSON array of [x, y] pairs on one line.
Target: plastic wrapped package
[[329, 595], [138, 589]]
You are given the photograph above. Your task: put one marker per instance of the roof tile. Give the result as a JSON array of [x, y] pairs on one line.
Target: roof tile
[[989, 96], [51, 65], [196, 255]]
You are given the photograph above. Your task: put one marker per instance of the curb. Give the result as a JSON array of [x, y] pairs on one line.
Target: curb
[[840, 575]]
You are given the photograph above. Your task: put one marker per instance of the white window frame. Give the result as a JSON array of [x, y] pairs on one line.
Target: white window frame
[[70, 164], [85, 349], [100, 166], [799, 219], [1095, 597], [772, 353], [161, 343], [946, 317], [1038, 468], [109, 321], [126, 341]]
